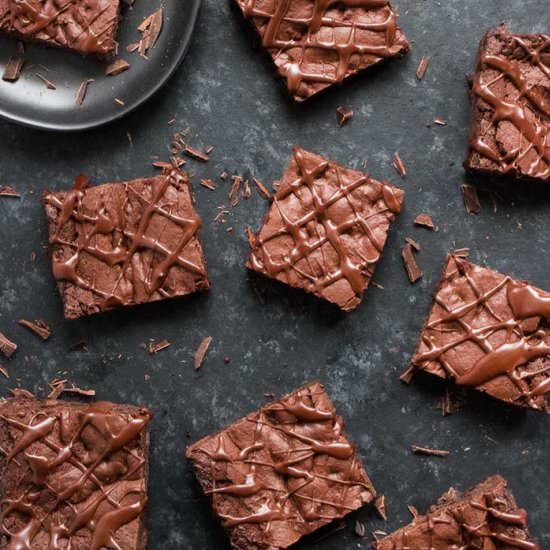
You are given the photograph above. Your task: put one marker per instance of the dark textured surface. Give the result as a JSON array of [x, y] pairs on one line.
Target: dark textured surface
[[228, 96]]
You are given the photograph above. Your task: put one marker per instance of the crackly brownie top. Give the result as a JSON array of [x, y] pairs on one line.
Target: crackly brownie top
[[87, 26], [72, 475], [511, 102], [326, 229], [125, 243], [315, 44], [485, 518], [282, 472], [489, 331]]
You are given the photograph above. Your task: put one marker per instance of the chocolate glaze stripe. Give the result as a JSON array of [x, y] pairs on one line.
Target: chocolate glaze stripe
[[38, 429]]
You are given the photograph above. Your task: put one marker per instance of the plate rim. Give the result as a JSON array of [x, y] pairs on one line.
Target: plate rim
[[78, 127]]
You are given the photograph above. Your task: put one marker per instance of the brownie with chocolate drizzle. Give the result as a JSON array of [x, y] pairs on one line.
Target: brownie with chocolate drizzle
[[510, 97], [86, 26], [487, 517], [282, 472], [491, 332], [73, 475], [316, 44], [127, 243], [326, 229]]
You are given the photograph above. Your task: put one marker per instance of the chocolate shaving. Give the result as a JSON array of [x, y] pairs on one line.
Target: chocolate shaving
[[154, 347], [4, 371], [13, 69], [422, 67], [440, 121], [461, 252], [343, 115], [452, 401], [81, 344], [416, 246], [201, 352], [150, 30], [235, 189], [209, 184], [359, 529], [79, 391], [117, 67], [262, 190], [246, 190], [413, 270], [471, 199], [208, 149], [399, 165], [425, 221], [20, 392], [82, 91], [416, 449], [195, 153], [250, 237], [39, 327], [7, 191], [162, 165], [7, 347], [380, 505], [49, 84]]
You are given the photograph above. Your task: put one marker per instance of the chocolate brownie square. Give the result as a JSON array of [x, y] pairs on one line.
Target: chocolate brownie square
[[317, 44], [326, 229], [121, 244], [486, 517], [490, 332], [282, 472], [510, 96], [86, 26], [73, 475]]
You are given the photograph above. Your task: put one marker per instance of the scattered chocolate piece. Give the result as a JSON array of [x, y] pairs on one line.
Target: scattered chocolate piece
[[240, 466], [234, 192], [7, 191], [399, 165], [117, 67], [490, 332], [416, 246], [422, 67], [150, 30], [413, 270], [82, 91], [440, 121], [359, 529], [417, 449], [343, 115], [246, 189], [4, 371], [49, 84], [251, 238], [81, 344], [13, 69], [195, 153], [487, 517], [413, 511], [461, 252], [39, 327], [154, 347], [425, 221], [21, 392], [452, 401], [380, 505], [262, 190], [200, 354], [7, 347], [209, 184], [131, 48], [471, 199], [162, 165], [208, 149], [120, 102], [79, 391], [220, 216], [293, 245]]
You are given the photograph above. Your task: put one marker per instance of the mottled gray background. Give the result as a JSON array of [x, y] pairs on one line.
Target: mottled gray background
[[226, 93]]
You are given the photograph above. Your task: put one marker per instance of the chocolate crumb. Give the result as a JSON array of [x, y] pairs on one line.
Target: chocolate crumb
[[82, 91], [380, 505], [7, 191], [201, 352], [417, 449], [162, 165], [208, 149], [209, 184], [414, 244], [262, 190], [471, 199], [235, 189], [13, 69], [422, 67], [413, 270], [7, 347], [120, 102], [81, 344], [117, 67], [39, 327], [440, 121], [195, 153], [359, 529], [461, 252], [246, 190], [154, 347], [250, 237], [343, 115], [226, 360], [4, 371], [20, 392], [425, 221], [399, 165], [49, 84]]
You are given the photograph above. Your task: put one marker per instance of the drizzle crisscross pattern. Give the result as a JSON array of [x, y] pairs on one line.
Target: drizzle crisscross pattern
[[282, 472], [72, 473], [317, 43], [326, 229]]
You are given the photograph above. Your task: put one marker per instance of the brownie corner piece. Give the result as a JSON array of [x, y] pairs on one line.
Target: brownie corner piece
[[487, 516], [510, 107], [283, 472], [126, 243], [74, 473], [317, 44], [326, 229], [491, 332]]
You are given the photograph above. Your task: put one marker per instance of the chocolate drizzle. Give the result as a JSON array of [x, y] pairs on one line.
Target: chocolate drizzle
[[140, 234], [489, 331], [287, 469], [71, 470], [511, 114], [317, 43], [326, 229], [88, 26]]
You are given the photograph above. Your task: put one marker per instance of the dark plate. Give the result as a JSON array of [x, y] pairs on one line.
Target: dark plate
[[29, 102]]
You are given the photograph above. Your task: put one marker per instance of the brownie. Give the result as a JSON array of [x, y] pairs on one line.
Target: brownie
[[317, 44], [510, 96], [491, 332], [486, 517], [326, 229], [282, 472], [87, 26], [73, 475], [121, 244]]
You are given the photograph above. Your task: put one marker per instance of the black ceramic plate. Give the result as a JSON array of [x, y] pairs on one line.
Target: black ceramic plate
[[29, 102]]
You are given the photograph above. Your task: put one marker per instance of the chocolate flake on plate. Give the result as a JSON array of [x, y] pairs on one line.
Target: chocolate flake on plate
[[359, 529], [424, 220], [416, 246], [417, 449], [413, 270], [209, 184], [154, 347], [49, 84], [440, 121], [343, 115], [471, 199], [380, 506], [39, 327], [246, 190], [195, 153], [262, 190], [4, 371], [7, 347], [150, 30], [117, 67], [13, 69], [82, 91], [234, 192], [399, 165], [422, 67], [7, 191], [201, 352]]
